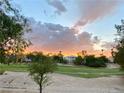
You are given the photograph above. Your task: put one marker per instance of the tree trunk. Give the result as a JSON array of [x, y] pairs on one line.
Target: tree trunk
[[40, 88]]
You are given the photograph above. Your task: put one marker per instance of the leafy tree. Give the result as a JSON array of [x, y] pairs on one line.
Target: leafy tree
[[56, 58], [12, 28], [119, 54], [39, 69], [79, 60], [34, 56], [119, 57], [59, 58], [103, 59], [92, 61]]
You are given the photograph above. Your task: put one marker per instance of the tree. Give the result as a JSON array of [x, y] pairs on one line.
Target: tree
[[119, 57], [39, 69], [93, 61], [79, 60], [59, 58], [103, 59], [34, 56], [12, 28], [90, 60], [119, 54]]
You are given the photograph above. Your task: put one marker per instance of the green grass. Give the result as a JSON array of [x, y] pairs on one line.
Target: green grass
[[79, 71], [14, 67], [88, 72]]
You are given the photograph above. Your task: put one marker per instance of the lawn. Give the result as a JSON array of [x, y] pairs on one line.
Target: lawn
[[88, 72], [14, 67], [79, 71]]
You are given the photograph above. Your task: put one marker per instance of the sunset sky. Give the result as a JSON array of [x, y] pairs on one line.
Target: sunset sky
[[72, 25]]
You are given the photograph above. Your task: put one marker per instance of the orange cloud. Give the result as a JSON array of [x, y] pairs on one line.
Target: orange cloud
[[107, 53], [52, 38]]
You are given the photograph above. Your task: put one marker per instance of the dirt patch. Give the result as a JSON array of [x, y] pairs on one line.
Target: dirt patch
[[22, 83]]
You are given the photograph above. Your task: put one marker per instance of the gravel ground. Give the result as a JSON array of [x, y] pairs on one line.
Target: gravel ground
[[20, 82]]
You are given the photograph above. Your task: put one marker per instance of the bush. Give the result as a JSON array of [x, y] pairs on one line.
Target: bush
[[103, 58], [79, 60], [92, 61], [59, 59], [64, 61]]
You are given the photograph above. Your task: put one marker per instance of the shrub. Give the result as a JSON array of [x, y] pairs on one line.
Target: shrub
[[64, 61], [59, 59], [92, 61], [79, 61], [103, 58]]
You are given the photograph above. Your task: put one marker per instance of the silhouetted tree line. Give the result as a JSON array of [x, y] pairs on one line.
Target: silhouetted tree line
[[91, 61]]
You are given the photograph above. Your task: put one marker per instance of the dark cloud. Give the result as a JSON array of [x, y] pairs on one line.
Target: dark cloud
[[58, 5], [50, 37]]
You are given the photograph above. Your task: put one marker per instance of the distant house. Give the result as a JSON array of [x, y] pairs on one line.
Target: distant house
[[70, 59]]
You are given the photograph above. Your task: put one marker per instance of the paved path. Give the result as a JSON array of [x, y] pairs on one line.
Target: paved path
[[20, 82]]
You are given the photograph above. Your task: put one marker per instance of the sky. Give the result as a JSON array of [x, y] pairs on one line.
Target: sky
[[71, 26]]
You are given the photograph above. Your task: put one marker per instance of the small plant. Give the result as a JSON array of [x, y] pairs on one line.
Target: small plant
[[39, 69]]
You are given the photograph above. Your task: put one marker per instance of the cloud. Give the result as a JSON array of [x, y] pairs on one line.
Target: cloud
[[108, 45], [96, 40], [48, 37], [58, 5], [91, 10]]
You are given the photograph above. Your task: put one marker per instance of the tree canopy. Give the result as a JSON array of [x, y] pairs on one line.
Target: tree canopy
[[41, 66], [12, 28], [119, 54]]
